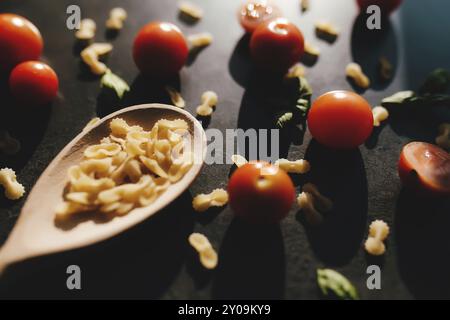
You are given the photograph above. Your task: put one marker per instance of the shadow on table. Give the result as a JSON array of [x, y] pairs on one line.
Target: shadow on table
[[341, 176], [423, 247], [25, 123], [266, 97], [140, 263], [368, 46], [252, 263]]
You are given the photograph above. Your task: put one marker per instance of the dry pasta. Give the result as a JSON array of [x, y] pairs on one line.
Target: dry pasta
[[128, 169]]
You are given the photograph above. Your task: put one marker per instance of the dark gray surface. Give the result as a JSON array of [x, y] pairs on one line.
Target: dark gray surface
[[154, 260]]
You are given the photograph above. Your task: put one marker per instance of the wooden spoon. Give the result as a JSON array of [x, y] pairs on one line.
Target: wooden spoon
[[37, 232]]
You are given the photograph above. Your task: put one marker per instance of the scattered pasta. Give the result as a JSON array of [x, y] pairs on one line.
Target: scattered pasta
[[13, 189], [128, 169], [217, 198], [304, 5], [91, 55], [208, 256], [311, 49], [86, 30], [8, 145], [297, 70], [200, 39], [117, 17], [354, 71], [209, 100], [379, 114], [327, 28], [378, 232], [176, 97], [190, 10], [299, 166], [238, 160]]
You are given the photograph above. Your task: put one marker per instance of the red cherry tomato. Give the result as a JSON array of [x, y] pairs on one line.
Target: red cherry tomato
[[277, 45], [386, 6], [20, 41], [340, 119], [33, 82], [425, 168], [160, 49], [255, 12], [261, 193]]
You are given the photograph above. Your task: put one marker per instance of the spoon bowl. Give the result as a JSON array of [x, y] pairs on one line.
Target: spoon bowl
[[37, 232]]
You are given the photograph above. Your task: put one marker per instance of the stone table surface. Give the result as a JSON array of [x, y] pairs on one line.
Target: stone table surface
[[154, 260]]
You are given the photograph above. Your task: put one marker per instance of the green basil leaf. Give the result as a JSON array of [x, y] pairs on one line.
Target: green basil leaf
[[112, 81], [333, 283]]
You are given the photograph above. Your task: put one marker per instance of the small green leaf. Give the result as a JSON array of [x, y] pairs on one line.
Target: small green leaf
[[112, 81], [398, 98], [284, 119], [333, 283], [437, 81]]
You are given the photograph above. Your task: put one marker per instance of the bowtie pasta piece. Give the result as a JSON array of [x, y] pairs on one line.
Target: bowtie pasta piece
[[176, 97], [8, 145], [200, 39], [217, 198], [86, 30], [297, 70], [304, 5], [311, 49], [128, 169], [91, 55], [208, 256], [355, 72], [117, 17], [327, 28], [209, 100], [120, 128], [238, 160], [13, 189], [299, 166], [378, 232], [190, 10], [97, 167], [379, 114], [100, 151]]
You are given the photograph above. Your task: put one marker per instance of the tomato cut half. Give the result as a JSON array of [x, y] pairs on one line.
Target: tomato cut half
[[425, 168], [256, 12]]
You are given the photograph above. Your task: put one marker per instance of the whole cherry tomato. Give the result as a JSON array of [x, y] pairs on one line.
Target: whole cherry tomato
[[340, 119], [20, 41], [425, 168], [33, 82], [255, 12], [261, 193], [386, 6], [160, 49], [276, 45]]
